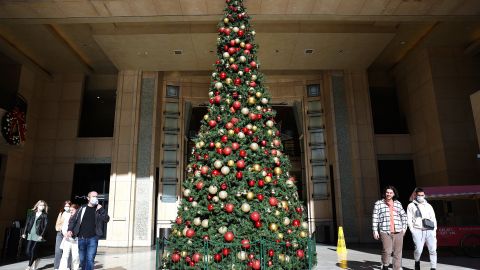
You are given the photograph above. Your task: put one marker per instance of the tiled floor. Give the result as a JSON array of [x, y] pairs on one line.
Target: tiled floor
[[358, 258]]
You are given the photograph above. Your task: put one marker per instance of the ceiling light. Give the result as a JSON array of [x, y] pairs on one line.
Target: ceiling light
[[308, 51], [177, 51], [403, 42], [98, 97]]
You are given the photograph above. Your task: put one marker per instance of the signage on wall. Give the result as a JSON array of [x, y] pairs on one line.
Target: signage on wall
[[14, 122]]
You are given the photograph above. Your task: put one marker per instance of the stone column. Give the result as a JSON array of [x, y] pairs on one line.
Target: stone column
[[120, 231], [342, 149]]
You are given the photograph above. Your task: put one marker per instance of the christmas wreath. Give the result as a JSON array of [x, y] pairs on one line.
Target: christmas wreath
[[14, 125]]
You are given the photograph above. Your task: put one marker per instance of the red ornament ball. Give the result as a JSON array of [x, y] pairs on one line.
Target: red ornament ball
[[241, 164], [190, 233], [237, 105], [229, 207], [196, 257], [296, 223], [245, 243], [212, 123], [235, 145], [178, 220], [239, 175], [260, 197], [256, 264], [273, 201], [228, 236], [251, 183], [227, 151], [271, 253], [210, 207], [258, 224], [225, 252], [243, 153], [300, 254], [217, 257], [255, 216], [175, 257]]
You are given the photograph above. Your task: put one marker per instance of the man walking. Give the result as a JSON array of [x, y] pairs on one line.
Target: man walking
[[423, 225], [87, 225], [389, 224]]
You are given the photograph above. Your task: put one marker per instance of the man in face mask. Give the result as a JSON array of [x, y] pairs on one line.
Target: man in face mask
[[87, 225], [423, 225]]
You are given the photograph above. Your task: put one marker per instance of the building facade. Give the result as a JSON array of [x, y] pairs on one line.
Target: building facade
[[368, 93]]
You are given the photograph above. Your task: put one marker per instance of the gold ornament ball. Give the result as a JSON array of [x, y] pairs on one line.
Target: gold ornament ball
[[251, 100], [183, 254], [277, 213], [254, 128], [303, 234], [201, 144], [268, 179], [225, 20], [179, 233], [277, 171], [284, 204], [218, 145], [230, 163], [281, 257], [257, 167], [231, 59], [258, 95], [269, 132], [205, 117], [273, 227], [250, 195], [280, 236], [242, 44], [228, 81], [231, 132]]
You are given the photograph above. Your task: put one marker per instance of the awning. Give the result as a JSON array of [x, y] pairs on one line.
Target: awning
[[452, 192]]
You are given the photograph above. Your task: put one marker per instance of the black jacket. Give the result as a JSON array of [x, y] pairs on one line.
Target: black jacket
[[40, 225], [101, 217]]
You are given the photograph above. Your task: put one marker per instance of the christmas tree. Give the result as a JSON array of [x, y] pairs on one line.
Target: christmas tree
[[240, 208]]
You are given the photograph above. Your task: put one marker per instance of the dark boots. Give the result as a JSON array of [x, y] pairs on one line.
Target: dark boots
[[417, 265]]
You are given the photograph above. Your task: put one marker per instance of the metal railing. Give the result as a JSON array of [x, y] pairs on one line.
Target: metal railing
[[237, 257]]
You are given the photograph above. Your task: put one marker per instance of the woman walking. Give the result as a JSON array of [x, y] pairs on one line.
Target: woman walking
[[70, 244], [34, 232], [61, 219]]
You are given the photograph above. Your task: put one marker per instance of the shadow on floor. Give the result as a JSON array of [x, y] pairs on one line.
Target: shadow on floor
[[365, 265]]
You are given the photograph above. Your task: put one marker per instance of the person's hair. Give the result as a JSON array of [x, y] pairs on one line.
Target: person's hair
[[35, 207], [63, 207], [419, 189], [395, 196], [88, 195], [74, 205]]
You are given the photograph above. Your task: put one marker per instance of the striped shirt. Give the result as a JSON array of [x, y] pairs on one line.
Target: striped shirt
[[381, 217]]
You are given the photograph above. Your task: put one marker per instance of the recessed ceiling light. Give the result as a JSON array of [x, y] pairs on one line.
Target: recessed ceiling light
[[177, 51], [308, 51], [98, 97], [403, 42]]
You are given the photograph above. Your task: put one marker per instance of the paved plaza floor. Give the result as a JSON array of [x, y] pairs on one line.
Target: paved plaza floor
[[358, 258]]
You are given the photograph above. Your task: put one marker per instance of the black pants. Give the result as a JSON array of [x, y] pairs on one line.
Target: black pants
[[32, 251]]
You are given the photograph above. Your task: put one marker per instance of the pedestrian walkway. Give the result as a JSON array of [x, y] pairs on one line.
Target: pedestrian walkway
[[361, 258]]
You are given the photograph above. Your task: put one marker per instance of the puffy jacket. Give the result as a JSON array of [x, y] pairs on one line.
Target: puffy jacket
[[413, 216], [40, 225], [101, 217]]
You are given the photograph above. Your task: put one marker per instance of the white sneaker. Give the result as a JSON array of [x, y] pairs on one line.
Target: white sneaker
[[28, 268]]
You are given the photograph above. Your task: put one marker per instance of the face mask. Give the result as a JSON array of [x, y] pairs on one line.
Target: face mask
[[420, 199], [67, 209], [41, 207], [94, 201]]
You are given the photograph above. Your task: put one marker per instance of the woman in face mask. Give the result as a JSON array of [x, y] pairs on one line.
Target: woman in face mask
[[61, 219], [34, 232], [423, 226]]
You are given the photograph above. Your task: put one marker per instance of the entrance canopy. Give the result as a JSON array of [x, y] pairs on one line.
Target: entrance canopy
[[452, 192]]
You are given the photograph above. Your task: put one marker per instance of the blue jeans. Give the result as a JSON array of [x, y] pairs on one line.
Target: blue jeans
[[87, 249]]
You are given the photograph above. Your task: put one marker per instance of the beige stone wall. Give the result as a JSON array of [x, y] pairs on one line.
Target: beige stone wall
[[363, 149], [455, 77], [16, 187], [416, 93], [475, 100]]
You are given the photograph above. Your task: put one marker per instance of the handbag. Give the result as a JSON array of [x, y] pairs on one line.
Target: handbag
[[426, 223]]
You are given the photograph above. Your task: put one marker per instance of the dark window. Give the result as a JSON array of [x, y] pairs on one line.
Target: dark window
[[88, 177], [400, 174], [98, 113], [387, 116]]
